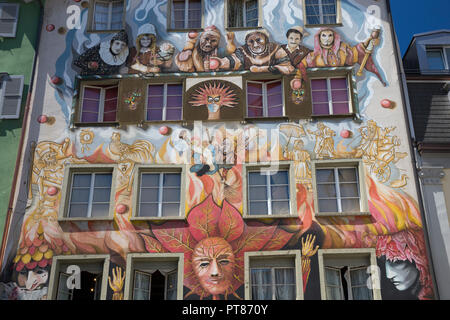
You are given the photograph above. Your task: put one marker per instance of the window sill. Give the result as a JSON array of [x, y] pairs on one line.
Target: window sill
[[343, 115], [265, 216], [282, 118], [156, 219], [82, 219], [338, 24], [96, 124], [342, 214], [243, 28], [102, 31], [201, 29]]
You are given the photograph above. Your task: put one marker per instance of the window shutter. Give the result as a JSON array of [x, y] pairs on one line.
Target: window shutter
[[132, 101], [9, 15], [297, 107], [11, 97]]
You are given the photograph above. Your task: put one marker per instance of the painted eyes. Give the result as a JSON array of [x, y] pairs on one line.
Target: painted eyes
[[224, 262], [204, 264], [212, 99]]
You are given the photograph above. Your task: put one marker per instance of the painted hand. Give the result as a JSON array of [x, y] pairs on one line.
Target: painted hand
[[185, 55], [117, 283], [308, 249]]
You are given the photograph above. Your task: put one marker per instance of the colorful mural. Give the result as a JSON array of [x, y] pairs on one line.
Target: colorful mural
[[217, 232]]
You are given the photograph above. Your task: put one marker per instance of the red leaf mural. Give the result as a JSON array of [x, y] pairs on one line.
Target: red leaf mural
[[230, 223], [152, 245], [255, 236], [174, 236], [203, 219]]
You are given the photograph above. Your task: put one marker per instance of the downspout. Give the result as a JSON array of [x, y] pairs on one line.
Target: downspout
[[22, 138], [415, 158]]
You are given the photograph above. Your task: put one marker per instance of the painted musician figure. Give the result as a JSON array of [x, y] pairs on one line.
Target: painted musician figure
[[258, 54], [331, 51]]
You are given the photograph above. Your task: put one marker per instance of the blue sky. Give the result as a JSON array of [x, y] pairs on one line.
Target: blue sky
[[417, 16]]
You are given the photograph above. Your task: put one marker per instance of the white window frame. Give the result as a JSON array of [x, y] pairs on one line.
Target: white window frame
[[186, 16], [321, 14], [77, 260], [283, 165], [66, 192], [339, 164], [13, 34], [445, 59], [101, 108], [155, 257], [265, 97], [330, 98], [165, 97], [3, 95], [109, 23], [294, 254], [161, 169], [359, 253]]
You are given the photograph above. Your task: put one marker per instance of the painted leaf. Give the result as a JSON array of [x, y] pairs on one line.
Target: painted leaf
[[203, 219], [174, 236], [231, 224], [152, 245], [279, 239], [255, 236]]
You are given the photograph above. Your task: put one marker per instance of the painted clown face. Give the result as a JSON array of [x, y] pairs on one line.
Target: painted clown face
[[213, 263], [213, 103], [32, 279], [117, 47], [326, 38]]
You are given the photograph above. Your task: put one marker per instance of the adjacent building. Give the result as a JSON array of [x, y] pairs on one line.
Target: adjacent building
[[229, 149], [427, 69]]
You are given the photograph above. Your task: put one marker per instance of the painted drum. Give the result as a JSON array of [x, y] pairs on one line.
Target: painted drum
[[121, 208], [345, 134]]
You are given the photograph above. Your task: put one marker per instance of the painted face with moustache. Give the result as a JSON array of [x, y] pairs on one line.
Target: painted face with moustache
[[213, 263]]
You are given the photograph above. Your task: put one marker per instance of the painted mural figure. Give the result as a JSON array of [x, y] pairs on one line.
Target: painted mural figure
[[331, 51], [196, 56], [294, 48], [324, 147], [147, 57], [106, 58], [302, 162], [258, 54]]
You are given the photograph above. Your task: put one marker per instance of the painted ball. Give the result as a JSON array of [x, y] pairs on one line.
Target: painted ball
[[213, 63], [52, 191], [386, 103], [93, 65], [56, 80], [296, 84], [42, 119], [121, 208], [164, 130], [50, 27], [345, 134]]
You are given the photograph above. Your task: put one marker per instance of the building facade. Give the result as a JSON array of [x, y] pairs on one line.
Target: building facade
[[17, 55], [427, 70], [218, 150]]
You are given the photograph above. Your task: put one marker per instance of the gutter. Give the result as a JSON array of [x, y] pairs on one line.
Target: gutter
[[22, 139], [415, 158]]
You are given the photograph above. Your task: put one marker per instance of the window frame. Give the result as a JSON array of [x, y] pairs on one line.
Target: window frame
[[172, 28], [445, 58], [294, 254], [66, 190], [16, 20], [57, 262], [226, 22], [370, 253], [149, 257], [341, 163], [164, 109], [158, 168], [91, 19], [249, 167], [338, 16], [2, 96], [264, 97], [101, 107]]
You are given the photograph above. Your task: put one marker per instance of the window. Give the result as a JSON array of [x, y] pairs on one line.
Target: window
[[339, 188], [91, 283], [273, 275], [88, 192], [9, 16], [438, 59], [165, 102], [321, 12], [99, 104], [269, 190], [159, 192], [243, 13], [265, 98], [108, 15], [346, 274], [154, 276], [186, 14], [330, 96], [11, 97]]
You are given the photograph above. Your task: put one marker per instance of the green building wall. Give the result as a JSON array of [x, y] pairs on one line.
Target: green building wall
[[16, 58]]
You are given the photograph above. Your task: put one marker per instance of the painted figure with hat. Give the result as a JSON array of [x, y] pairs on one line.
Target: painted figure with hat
[[294, 48], [196, 55], [147, 57], [258, 54], [106, 58]]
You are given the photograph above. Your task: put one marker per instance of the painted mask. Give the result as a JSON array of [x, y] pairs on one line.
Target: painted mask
[[257, 43], [326, 38]]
